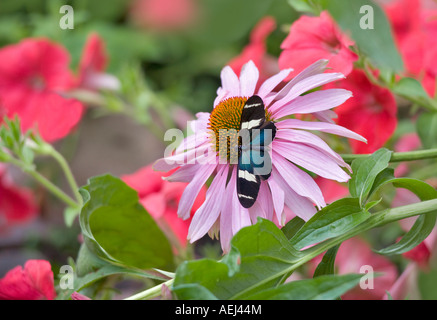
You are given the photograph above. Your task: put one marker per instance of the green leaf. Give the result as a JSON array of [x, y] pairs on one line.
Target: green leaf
[[427, 282], [265, 256], [90, 269], [227, 21], [333, 220], [193, 291], [292, 227], [303, 6], [118, 229], [365, 170], [413, 90], [328, 287], [427, 129], [381, 50], [326, 266], [423, 225]]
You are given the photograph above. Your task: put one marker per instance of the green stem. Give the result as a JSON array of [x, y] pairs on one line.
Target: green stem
[[44, 182], [376, 220], [398, 156], [68, 174], [150, 293]]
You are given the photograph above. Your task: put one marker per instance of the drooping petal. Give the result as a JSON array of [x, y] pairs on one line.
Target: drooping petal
[[193, 189], [311, 159], [278, 198], [209, 211], [300, 181], [301, 206], [201, 154]]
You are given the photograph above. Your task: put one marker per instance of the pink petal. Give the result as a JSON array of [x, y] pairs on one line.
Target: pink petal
[[193, 189], [312, 140], [319, 126], [248, 79], [311, 159], [314, 69], [209, 211], [326, 116], [303, 86], [298, 180], [313, 102], [300, 206], [230, 82], [271, 83], [278, 198], [240, 215], [265, 202], [201, 154]]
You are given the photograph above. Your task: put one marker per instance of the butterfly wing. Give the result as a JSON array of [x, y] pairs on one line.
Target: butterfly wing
[[254, 162], [248, 183]]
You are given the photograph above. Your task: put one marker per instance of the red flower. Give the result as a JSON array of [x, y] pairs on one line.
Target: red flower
[[161, 199], [332, 190], [415, 30], [314, 38], [356, 256], [17, 204], [257, 52], [33, 75], [163, 14], [34, 282], [93, 64], [371, 112]]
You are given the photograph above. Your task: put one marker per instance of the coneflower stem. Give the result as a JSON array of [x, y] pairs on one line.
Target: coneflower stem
[[398, 156]]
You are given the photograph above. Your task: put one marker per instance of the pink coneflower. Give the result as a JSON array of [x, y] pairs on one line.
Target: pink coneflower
[[288, 190]]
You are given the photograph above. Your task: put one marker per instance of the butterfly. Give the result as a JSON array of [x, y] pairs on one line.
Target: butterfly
[[254, 162]]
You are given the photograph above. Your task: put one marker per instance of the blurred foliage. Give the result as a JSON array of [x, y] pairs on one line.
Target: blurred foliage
[[183, 64]]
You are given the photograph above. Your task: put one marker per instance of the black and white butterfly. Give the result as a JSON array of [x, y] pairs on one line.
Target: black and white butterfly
[[254, 162]]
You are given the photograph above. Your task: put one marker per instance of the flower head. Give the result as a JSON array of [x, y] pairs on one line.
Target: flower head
[[34, 282], [34, 74], [286, 190], [314, 38]]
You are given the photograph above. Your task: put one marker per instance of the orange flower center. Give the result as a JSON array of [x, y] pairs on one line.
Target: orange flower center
[[224, 123]]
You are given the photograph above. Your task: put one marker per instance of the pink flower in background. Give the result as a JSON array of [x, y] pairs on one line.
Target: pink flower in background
[[332, 190], [92, 66], [293, 146], [314, 38], [34, 74], [34, 282], [17, 204], [415, 30], [161, 199], [163, 15], [371, 112], [352, 255], [257, 52]]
